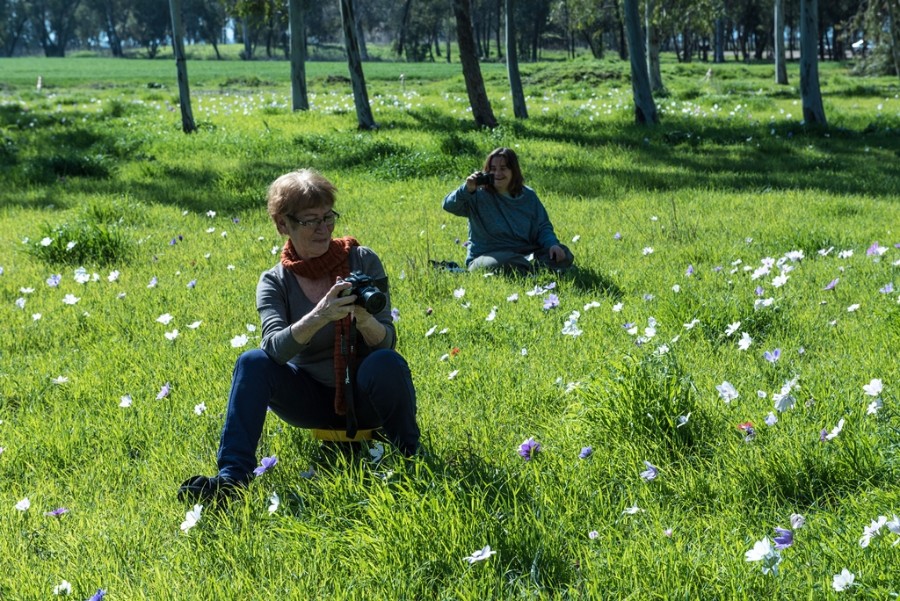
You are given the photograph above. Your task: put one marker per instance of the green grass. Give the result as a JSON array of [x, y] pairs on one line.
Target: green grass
[[729, 179]]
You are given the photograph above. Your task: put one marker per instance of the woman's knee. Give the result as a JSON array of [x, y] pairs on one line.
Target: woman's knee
[[382, 363], [254, 363]]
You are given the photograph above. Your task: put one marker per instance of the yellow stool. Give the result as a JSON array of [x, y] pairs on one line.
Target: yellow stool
[[341, 435]]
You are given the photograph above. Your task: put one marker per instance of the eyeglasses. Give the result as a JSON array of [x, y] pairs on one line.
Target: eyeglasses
[[314, 223]]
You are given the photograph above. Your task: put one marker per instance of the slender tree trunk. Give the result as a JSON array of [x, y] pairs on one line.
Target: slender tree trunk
[[652, 34], [247, 54], [810, 93], [357, 79], [644, 107], [468, 57], [719, 54], [361, 37], [781, 77], [299, 98], [499, 27], [623, 49], [520, 110], [184, 91], [894, 16], [404, 25]]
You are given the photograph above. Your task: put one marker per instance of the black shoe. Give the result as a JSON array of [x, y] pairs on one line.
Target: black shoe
[[204, 488]]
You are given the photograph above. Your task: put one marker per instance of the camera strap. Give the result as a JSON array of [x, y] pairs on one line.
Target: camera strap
[[348, 350]]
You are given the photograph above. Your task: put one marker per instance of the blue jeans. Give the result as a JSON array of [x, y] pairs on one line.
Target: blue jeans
[[384, 397]]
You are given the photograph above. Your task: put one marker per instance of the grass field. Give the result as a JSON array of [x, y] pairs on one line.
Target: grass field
[[734, 322]]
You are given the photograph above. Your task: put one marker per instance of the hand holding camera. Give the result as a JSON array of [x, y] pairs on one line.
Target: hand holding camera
[[368, 295], [479, 178]]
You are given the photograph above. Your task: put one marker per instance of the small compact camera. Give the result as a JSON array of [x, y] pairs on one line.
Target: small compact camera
[[368, 294], [484, 179]]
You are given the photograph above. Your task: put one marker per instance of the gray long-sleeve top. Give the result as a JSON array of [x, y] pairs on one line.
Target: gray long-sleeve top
[[281, 302], [499, 222]]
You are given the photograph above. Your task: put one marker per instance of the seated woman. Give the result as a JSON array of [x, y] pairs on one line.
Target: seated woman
[[507, 222], [311, 371]]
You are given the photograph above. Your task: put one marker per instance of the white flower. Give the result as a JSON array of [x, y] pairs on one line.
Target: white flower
[[873, 388], [459, 293], [732, 328], [23, 505], [125, 401], [452, 374], [690, 325], [210, 213], [35, 316], [71, 245], [70, 299], [512, 297], [576, 238], [251, 327], [632, 510], [617, 307], [894, 526], [194, 325], [60, 380], [780, 280], [480, 554], [46, 241], [797, 521], [113, 276], [63, 588], [274, 502], [836, 430], [430, 331], [239, 341], [764, 552], [172, 335], [676, 288], [164, 319], [844, 580], [845, 254], [191, 518], [444, 357], [727, 391], [762, 302], [20, 303], [492, 315], [199, 408], [745, 341], [852, 308], [376, 452], [591, 305], [662, 349], [874, 406], [648, 250], [872, 531]]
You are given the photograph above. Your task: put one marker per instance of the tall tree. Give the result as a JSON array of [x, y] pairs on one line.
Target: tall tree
[[810, 93], [357, 79], [468, 57], [644, 107], [184, 91], [652, 34], [520, 110], [299, 97], [54, 21], [13, 23], [781, 77]]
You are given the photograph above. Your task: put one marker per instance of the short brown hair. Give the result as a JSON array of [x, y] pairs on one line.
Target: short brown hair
[[517, 181], [298, 191]]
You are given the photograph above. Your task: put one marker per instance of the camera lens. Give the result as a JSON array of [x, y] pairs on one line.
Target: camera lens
[[372, 299]]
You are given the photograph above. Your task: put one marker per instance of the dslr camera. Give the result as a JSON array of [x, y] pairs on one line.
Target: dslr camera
[[368, 293], [484, 179]]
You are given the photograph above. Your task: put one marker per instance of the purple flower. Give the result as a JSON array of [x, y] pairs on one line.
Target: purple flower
[[832, 284], [235, 220], [173, 241], [266, 464], [53, 280], [395, 315], [784, 538], [57, 512], [823, 435], [759, 291], [773, 356], [585, 452], [529, 448], [163, 392], [98, 596], [628, 325], [717, 268], [192, 283], [617, 236], [690, 271], [888, 288], [551, 301], [651, 472], [153, 282], [872, 250]]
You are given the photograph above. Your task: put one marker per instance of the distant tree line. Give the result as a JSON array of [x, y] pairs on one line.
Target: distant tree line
[[421, 30]]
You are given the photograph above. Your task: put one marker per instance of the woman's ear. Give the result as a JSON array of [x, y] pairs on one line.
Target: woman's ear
[[281, 225]]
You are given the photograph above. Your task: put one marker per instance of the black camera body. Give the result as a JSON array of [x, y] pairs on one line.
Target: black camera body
[[484, 179], [368, 294]]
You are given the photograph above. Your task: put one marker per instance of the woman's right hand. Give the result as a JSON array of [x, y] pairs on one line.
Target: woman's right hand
[[334, 307], [471, 186]]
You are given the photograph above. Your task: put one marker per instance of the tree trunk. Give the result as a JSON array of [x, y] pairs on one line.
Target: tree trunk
[[468, 57], [299, 98], [247, 54], [499, 26], [811, 94], [623, 49], [357, 79], [404, 25], [184, 91], [644, 107], [719, 54], [894, 16], [656, 84], [361, 38], [520, 110], [781, 77]]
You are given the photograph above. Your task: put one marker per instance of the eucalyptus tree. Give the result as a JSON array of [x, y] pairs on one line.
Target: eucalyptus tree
[[468, 57], [204, 20], [299, 96], [781, 77], [184, 91], [357, 78], [810, 93], [149, 26], [520, 109], [644, 107], [651, 32], [112, 18], [14, 25], [53, 22]]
